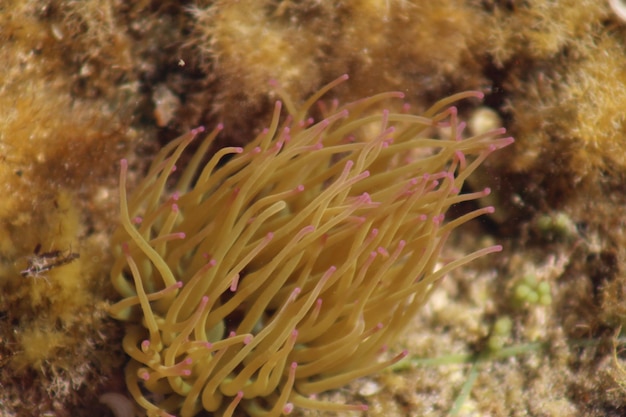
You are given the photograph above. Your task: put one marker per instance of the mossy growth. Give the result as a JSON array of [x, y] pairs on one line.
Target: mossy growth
[[539, 29], [416, 47], [55, 154], [569, 117], [54, 327]]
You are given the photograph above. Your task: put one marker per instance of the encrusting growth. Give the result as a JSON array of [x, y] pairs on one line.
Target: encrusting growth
[[289, 269]]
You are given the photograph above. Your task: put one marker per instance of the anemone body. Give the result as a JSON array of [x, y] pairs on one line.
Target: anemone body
[[288, 270]]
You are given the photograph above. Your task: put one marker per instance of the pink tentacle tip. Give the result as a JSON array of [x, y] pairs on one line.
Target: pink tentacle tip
[[308, 229], [178, 284], [220, 126], [247, 339], [175, 208], [145, 375], [459, 129], [360, 219], [496, 248], [197, 130], [180, 235], [507, 141], [145, 345], [186, 362], [324, 123], [288, 408], [234, 283], [498, 131], [137, 219]]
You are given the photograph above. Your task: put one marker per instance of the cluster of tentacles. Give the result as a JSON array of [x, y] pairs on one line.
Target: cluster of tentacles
[[287, 270]]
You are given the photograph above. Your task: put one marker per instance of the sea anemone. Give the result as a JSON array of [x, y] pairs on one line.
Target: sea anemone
[[284, 269]]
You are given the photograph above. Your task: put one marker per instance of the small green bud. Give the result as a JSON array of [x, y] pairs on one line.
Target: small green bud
[[543, 288], [522, 291], [545, 299], [503, 326]]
